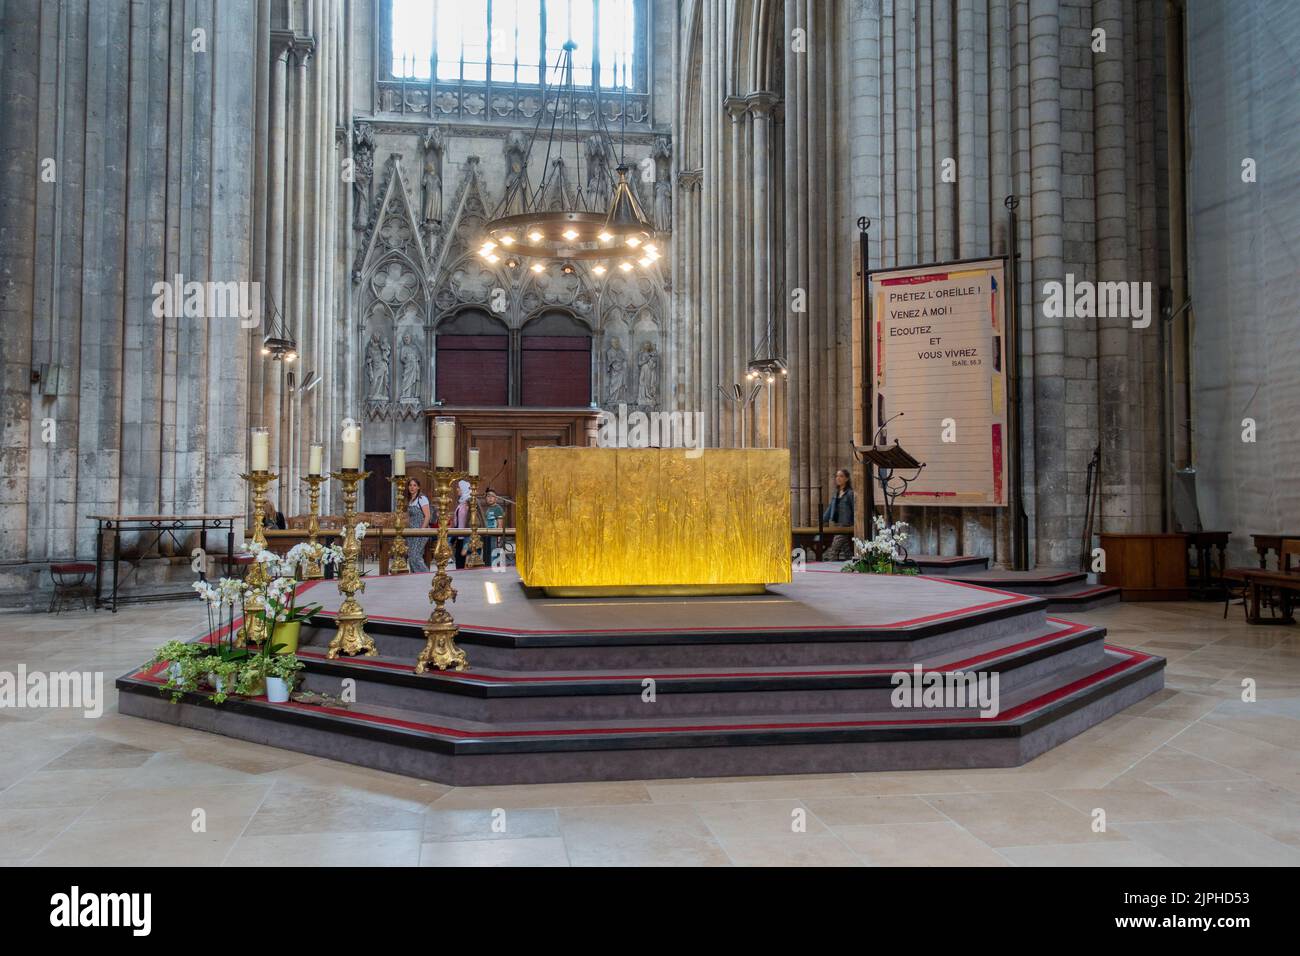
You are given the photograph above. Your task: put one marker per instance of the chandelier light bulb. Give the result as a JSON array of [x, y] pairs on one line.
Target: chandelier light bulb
[[599, 269], [570, 234], [493, 258], [625, 266], [538, 267], [507, 240], [536, 236], [633, 241], [605, 237]]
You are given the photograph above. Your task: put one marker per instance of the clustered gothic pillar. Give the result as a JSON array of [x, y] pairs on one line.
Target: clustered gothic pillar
[[304, 225], [923, 115], [126, 143]]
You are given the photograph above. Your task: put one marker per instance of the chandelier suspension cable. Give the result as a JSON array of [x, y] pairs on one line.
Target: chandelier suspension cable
[[571, 230]]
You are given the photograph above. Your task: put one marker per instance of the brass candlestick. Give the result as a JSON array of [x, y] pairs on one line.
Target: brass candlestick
[[440, 650], [474, 557], [350, 636], [397, 563], [253, 630], [312, 568]]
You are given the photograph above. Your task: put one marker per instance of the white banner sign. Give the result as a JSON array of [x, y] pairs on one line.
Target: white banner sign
[[939, 357]]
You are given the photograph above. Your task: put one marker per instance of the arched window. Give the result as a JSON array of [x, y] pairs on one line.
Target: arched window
[[555, 362], [516, 41], [473, 352]]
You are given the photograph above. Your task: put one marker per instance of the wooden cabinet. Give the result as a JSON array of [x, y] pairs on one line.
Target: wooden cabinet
[[1146, 567], [500, 434]]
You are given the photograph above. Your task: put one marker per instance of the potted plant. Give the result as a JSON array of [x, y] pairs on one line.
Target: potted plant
[[281, 612], [281, 672], [172, 653], [882, 554]]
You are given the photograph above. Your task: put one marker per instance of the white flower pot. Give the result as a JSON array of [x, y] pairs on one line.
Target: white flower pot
[[277, 690]]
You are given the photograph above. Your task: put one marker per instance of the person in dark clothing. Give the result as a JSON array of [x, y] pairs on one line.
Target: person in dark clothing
[[272, 519], [840, 512]]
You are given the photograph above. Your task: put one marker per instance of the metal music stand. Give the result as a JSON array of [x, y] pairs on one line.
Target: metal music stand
[[889, 460]]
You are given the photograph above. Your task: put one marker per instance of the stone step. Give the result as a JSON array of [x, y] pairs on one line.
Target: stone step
[[464, 753], [494, 695]]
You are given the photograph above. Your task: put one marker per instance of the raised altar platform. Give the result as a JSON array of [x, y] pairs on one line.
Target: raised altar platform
[[796, 680]]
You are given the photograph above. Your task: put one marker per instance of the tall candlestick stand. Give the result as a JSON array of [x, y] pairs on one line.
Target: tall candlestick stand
[[474, 555], [253, 630], [440, 650], [397, 549], [312, 568], [350, 636]]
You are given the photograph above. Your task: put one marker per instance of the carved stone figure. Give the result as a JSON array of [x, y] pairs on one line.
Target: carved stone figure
[[363, 168], [431, 182], [663, 158], [598, 180], [516, 150], [616, 369], [378, 362], [408, 359], [647, 374]]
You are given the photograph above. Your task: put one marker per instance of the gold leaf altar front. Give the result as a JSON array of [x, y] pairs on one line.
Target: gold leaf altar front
[[596, 521]]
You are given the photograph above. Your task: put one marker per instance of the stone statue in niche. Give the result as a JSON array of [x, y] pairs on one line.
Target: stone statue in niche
[[378, 362], [598, 180], [616, 369], [408, 361], [431, 181], [663, 157], [516, 150], [363, 168], [647, 375]]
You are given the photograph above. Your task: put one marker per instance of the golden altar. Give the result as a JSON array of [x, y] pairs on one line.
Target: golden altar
[[615, 521]]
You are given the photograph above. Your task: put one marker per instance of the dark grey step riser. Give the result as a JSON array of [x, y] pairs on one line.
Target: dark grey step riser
[[1018, 625], [432, 700], [1105, 600], [1037, 590], [666, 763], [957, 571]]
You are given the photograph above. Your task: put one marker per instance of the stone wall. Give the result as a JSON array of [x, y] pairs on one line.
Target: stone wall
[[867, 100], [1244, 266], [127, 156]]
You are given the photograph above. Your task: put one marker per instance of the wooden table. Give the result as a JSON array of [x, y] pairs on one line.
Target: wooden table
[[816, 540], [1207, 584], [1264, 543], [1146, 567], [1284, 582]]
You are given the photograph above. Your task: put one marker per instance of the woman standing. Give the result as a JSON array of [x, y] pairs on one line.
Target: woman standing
[[840, 512], [417, 516]]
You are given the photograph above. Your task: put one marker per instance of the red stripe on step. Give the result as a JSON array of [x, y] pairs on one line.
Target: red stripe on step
[[1133, 658], [471, 677]]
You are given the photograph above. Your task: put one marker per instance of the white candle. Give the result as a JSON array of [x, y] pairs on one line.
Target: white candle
[[473, 462], [352, 446], [261, 449], [317, 459], [444, 443], [399, 462]]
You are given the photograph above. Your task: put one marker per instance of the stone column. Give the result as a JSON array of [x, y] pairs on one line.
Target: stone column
[[1052, 532], [760, 106], [1113, 342]]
